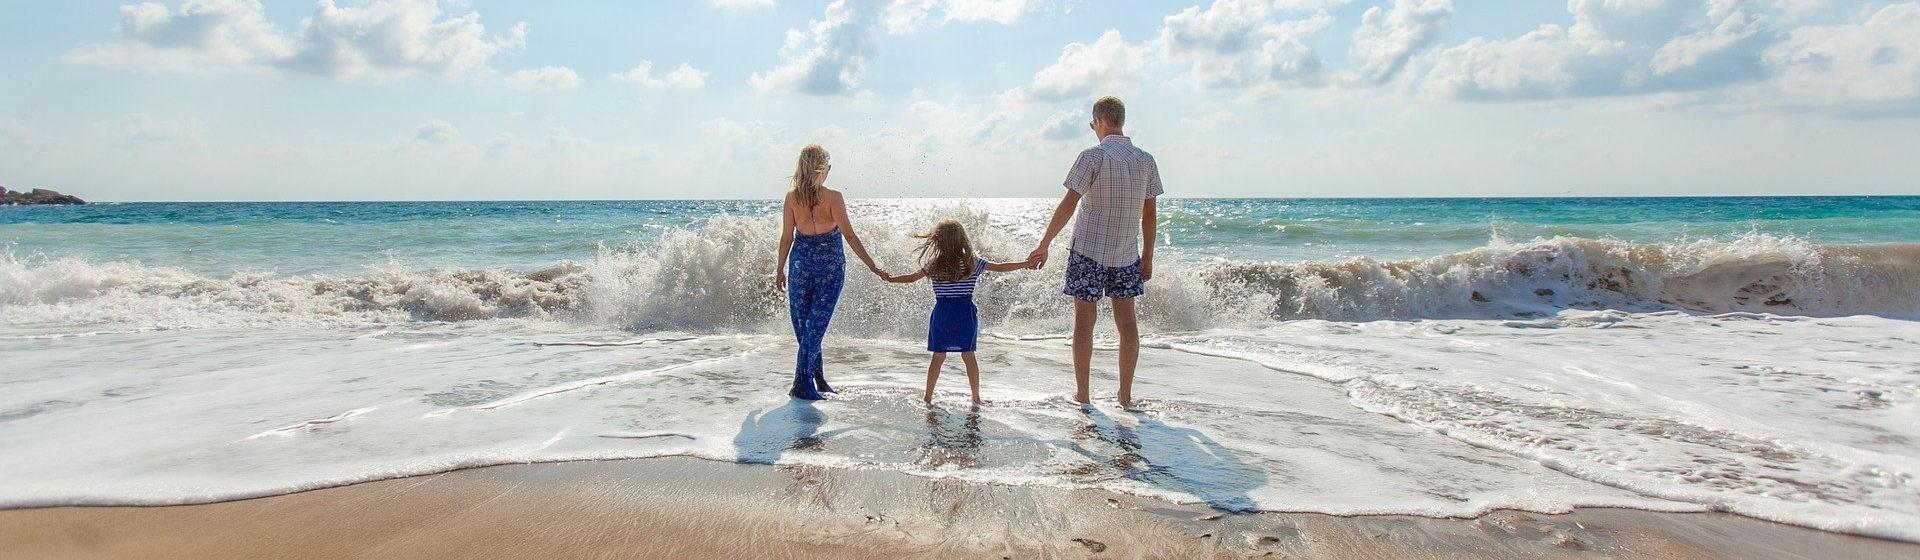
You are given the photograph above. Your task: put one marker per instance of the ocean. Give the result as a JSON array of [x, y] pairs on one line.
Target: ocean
[[1435, 357]]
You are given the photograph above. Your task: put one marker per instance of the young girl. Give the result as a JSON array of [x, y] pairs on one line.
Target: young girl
[[950, 263]]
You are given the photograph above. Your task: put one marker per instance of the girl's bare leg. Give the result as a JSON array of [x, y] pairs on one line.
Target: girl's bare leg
[[933, 374], [973, 374]]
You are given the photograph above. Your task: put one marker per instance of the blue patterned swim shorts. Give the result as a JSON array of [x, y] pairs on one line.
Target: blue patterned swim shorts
[[1088, 280]]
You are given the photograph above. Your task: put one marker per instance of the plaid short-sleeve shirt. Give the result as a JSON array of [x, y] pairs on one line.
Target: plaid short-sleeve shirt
[[1114, 180]]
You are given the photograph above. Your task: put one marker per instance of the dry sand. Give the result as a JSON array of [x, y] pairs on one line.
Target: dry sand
[[690, 508]]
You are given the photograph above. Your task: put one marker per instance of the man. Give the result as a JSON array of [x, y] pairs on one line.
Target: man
[[1113, 186]]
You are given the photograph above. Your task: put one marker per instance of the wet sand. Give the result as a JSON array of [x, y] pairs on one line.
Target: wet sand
[[691, 508]]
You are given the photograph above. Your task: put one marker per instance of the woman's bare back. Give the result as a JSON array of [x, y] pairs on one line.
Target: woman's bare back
[[817, 220]]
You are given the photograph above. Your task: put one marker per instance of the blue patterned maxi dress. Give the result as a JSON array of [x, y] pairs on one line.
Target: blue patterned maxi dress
[[816, 270]]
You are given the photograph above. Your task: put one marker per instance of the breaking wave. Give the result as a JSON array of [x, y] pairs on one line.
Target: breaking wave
[[718, 278]]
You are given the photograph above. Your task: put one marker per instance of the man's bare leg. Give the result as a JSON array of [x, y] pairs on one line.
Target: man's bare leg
[[1129, 332], [1085, 315]]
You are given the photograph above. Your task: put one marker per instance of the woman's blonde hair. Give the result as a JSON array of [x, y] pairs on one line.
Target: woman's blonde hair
[[806, 174], [947, 254]]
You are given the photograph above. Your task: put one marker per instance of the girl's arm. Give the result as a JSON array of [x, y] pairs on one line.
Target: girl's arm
[[846, 230], [905, 279], [786, 244], [1007, 266]]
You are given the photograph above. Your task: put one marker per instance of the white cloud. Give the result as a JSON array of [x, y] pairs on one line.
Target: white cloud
[[1069, 124], [202, 36], [901, 17], [1876, 63], [1005, 12], [1240, 43], [1632, 21], [684, 77], [372, 40], [1546, 63], [906, 16], [1108, 65], [437, 131], [828, 58], [1388, 38], [1727, 50], [1794, 10], [1615, 47], [741, 5], [383, 39], [550, 79]]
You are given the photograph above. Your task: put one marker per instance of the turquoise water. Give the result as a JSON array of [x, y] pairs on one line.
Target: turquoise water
[[218, 239]]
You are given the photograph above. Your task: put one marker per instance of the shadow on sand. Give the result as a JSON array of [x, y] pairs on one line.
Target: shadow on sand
[[1171, 457], [765, 436]]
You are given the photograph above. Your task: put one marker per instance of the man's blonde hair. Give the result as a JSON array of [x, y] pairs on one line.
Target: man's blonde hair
[[1110, 109]]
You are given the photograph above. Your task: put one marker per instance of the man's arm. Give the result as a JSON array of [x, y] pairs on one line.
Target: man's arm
[[1061, 214], [1147, 227]]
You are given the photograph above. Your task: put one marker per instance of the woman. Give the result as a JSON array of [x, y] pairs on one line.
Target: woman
[[812, 221]]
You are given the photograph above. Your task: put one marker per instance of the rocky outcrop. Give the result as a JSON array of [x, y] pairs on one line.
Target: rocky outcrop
[[37, 196]]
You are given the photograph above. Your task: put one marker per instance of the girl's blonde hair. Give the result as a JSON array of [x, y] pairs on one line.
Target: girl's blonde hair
[[947, 254], [806, 174]]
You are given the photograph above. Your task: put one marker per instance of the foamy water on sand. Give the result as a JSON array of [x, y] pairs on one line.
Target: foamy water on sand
[[1755, 372]]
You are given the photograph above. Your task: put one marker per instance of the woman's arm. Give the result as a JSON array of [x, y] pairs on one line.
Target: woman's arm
[[846, 230], [786, 244], [905, 279]]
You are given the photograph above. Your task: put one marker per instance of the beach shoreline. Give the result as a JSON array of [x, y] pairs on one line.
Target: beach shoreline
[[683, 507]]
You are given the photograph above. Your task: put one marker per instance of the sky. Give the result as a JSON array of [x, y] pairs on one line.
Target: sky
[[602, 99]]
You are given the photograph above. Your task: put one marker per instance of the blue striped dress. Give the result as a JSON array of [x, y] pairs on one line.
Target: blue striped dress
[[955, 325]]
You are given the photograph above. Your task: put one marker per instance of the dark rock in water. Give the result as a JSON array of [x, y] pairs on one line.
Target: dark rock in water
[[37, 196], [1543, 292], [1092, 545], [1480, 298]]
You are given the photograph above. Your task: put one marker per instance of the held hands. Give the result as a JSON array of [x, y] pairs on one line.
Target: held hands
[[1038, 258]]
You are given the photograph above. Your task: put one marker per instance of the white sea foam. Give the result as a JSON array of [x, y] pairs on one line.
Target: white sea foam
[[1761, 375], [1662, 411]]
